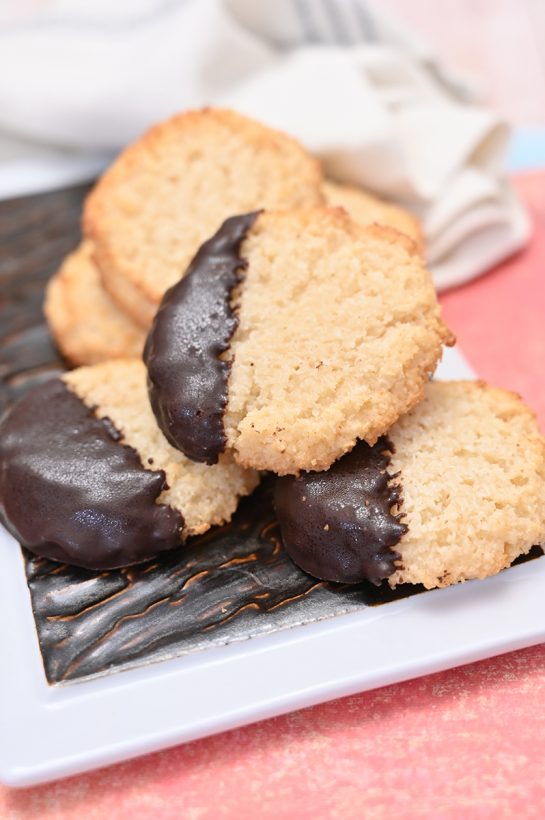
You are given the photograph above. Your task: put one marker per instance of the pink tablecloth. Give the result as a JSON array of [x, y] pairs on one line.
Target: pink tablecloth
[[469, 742]]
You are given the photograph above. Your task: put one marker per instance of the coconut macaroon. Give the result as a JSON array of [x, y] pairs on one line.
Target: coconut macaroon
[[87, 478], [169, 191], [325, 333], [86, 324], [456, 491]]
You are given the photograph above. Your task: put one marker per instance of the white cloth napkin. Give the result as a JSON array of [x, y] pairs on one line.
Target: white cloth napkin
[[80, 78]]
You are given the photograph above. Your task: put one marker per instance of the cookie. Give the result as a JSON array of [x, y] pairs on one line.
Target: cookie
[[292, 335], [87, 478], [366, 208], [173, 188], [455, 491], [86, 324]]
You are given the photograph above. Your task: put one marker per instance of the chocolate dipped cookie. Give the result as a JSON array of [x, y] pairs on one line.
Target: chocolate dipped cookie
[[87, 478], [292, 335], [455, 491]]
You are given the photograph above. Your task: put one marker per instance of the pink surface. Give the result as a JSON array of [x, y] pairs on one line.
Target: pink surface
[[468, 742]]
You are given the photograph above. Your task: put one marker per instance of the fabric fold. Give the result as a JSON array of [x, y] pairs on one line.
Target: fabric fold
[[78, 80]]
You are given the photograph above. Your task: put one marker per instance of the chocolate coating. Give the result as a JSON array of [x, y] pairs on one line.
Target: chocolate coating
[[69, 491], [187, 381], [233, 583], [337, 525]]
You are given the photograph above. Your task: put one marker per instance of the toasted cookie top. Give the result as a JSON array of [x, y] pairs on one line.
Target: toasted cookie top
[[173, 188], [336, 330], [369, 209], [88, 327], [457, 491]]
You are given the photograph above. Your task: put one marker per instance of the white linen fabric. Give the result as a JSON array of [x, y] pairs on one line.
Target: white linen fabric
[[81, 78]]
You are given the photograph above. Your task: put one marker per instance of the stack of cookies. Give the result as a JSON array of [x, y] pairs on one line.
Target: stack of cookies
[[233, 313]]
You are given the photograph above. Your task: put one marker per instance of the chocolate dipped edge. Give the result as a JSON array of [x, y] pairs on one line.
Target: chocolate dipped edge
[[338, 525], [70, 490], [187, 379]]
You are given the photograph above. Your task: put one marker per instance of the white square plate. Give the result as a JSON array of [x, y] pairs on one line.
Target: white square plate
[[48, 732]]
